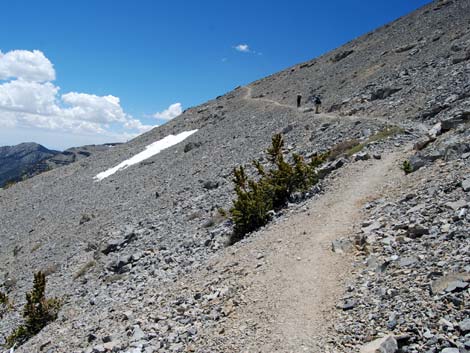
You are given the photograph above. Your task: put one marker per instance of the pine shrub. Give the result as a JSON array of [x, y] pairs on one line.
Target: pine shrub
[[37, 312], [271, 190], [4, 299], [407, 168], [5, 304]]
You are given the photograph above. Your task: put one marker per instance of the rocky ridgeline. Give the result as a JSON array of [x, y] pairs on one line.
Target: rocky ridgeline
[[419, 72], [413, 280], [15, 160]]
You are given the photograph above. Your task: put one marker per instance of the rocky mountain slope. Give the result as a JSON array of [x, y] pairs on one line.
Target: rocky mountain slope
[[14, 160], [139, 257]]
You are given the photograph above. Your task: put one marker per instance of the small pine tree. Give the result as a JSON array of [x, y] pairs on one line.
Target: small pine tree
[[250, 210], [4, 299], [37, 312], [272, 191], [5, 304]]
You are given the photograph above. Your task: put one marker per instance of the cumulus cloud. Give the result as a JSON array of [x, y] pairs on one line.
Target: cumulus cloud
[[26, 65], [89, 107], [244, 48], [171, 112], [28, 99], [135, 124]]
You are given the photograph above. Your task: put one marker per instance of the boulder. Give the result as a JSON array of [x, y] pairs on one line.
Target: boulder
[[210, 185], [361, 156], [117, 265], [341, 246], [116, 244], [458, 118], [405, 48], [383, 93], [191, 146], [348, 304], [450, 282], [327, 168], [466, 184], [435, 131], [450, 350], [417, 162], [340, 56], [85, 218], [423, 143], [287, 129], [417, 231], [457, 205], [386, 344], [461, 58], [464, 326]]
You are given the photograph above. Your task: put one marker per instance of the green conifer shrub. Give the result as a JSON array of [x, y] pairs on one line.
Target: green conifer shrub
[[271, 190], [37, 312], [5, 304], [407, 168]]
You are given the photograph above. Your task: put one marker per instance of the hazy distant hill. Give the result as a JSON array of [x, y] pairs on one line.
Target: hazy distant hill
[[26, 160], [15, 160], [66, 157]]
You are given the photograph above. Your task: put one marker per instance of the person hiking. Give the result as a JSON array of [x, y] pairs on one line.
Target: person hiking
[[317, 104], [299, 100]]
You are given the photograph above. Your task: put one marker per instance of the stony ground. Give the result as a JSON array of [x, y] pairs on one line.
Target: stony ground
[[139, 258], [290, 280], [412, 277]]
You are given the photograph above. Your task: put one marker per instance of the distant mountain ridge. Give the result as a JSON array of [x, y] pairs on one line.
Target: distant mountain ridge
[[26, 160], [15, 160]]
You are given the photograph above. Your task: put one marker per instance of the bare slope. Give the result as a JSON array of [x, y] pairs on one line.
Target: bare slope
[[107, 245]]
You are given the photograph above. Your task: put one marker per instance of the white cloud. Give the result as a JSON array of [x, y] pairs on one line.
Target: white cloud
[[135, 124], [28, 97], [27, 65], [106, 109], [244, 48], [171, 112], [29, 100]]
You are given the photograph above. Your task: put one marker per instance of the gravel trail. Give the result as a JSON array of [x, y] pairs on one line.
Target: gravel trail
[[301, 280]]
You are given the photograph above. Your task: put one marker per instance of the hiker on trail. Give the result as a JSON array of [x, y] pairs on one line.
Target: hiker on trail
[[299, 100], [317, 104]]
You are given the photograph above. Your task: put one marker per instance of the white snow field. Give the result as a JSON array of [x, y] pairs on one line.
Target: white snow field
[[150, 150]]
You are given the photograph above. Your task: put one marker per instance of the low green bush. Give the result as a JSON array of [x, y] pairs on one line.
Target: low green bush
[[406, 166], [4, 299], [271, 190], [37, 312]]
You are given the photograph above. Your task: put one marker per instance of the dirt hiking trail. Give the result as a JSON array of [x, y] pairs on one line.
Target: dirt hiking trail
[[299, 280], [307, 108]]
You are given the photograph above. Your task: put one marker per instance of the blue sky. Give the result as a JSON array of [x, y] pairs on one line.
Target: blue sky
[[151, 54]]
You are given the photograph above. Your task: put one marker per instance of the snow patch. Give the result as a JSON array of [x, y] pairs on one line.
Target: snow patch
[[150, 150]]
